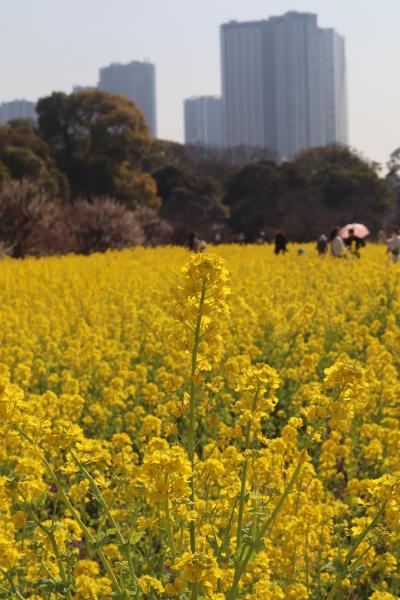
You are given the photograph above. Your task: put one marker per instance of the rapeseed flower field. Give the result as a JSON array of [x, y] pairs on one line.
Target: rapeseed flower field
[[216, 426]]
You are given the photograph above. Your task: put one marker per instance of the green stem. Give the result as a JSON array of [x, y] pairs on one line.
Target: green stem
[[244, 475], [88, 536], [242, 491], [242, 564], [169, 530], [192, 426], [307, 558], [254, 505], [60, 563], [225, 541], [195, 591], [83, 527], [343, 571], [50, 534], [16, 593], [123, 543], [57, 554]]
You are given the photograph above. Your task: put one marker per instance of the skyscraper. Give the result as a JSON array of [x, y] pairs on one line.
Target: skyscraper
[[335, 85], [137, 81], [203, 121], [17, 109], [283, 84], [243, 80]]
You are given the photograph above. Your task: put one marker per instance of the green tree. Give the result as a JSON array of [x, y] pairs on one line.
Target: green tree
[[345, 186], [163, 153], [321, 188], [24, 155], [265, 195], [189, 202], [99, 141], [393, 164], [222, 163], [251, 197], [393, 179]]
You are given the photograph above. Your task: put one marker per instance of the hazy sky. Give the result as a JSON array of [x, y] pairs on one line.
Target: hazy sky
[[48, 45]]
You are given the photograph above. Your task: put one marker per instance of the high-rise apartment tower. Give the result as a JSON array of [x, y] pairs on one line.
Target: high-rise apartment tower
[[137, 81], [17, 109], [283, 84], [203, 121]]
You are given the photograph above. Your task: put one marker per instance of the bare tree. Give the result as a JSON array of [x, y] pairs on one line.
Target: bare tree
[[31, 222], [103, 224]]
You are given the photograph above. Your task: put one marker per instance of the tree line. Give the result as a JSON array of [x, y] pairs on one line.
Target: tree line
[[88, 177]]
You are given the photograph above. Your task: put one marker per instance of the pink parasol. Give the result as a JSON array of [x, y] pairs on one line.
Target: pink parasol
[[359, 230]]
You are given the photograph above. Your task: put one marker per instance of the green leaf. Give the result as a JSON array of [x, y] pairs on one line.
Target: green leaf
[[50, 585], [135, 537], [102, 540]]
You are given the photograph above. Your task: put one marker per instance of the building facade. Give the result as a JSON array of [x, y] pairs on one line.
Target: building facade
[[17, 109], [283, 84], [335, 85], [243, 79], [203, 121], [137, 81]]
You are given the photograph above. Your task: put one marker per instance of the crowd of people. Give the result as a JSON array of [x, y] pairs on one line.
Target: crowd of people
[[343, 246], [340, 246], [349, 245], [339, 243]]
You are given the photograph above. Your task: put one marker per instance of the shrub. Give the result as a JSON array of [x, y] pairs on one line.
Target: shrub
[[156, 230], [103, 224], [31, 222]]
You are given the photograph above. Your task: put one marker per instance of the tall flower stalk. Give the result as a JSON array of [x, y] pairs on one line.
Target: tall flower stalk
[[202, 299]]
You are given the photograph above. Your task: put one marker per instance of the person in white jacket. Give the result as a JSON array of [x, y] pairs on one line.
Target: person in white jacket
[[393, 245], [336, 243]]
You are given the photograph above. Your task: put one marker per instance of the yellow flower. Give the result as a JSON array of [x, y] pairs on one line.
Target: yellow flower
[[386, 490], [165, 473], [9, 553], [201, 302], [382, 596], [90, 377], [198, 568], [150, 584], [19, 519], [176, 587], [257, 394]]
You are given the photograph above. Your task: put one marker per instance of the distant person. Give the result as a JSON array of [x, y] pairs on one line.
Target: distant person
[[216, 235], [393, 245], [353, 243], [336, 243], [300, 251], [194, 242], [280, 242], [381, 237], [202, 245], [217, 238], [261, 238], [322, 244]]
